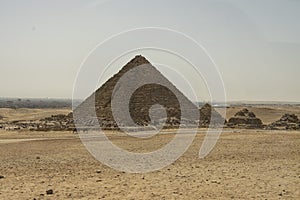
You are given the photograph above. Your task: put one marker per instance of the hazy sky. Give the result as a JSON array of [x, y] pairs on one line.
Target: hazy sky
[[255, 44]]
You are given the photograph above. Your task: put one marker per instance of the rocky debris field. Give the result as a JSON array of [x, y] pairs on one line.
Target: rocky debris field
[[59, 122]]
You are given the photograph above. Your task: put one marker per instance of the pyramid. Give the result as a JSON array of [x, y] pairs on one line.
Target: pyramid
[[286, 122], [142, 99], [208, 115], [246, 119]]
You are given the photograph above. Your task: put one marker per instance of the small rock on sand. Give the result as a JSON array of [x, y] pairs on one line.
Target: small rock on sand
[[49, 191]]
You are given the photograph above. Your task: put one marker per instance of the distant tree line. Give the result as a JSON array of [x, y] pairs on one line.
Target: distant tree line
[[35, 103]]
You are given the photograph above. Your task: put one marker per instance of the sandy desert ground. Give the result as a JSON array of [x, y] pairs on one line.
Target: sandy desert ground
[[245, 164], [29, 114]]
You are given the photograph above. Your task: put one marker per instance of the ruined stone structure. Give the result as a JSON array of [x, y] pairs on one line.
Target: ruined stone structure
[[208, 115], [286, 122], [245, 119]]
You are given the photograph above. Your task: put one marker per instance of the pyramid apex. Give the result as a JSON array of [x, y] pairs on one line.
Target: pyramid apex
[[140, 59], [136, 61]]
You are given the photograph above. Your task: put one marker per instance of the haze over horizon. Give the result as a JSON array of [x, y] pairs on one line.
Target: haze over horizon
[[255, 48]]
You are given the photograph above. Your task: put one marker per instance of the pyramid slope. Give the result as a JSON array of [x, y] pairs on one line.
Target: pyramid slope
[[141, 101]]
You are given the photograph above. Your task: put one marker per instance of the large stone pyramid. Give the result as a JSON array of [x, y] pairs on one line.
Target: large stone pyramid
[[141, 101]]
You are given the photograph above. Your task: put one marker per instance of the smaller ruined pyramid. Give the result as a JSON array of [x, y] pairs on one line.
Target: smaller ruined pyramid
[[246, 119], [286, 122], [209, 116], [141, 101]]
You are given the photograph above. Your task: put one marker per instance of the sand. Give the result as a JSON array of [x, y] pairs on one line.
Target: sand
[[29, 114], [245, 164]]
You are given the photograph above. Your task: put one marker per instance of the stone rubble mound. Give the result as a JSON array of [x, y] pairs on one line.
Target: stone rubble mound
[[286, 122], [54, 123]]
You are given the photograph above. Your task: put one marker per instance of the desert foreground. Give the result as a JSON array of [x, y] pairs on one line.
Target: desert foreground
[[245, 164]]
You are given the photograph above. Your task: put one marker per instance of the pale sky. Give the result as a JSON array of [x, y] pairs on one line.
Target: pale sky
[[255, 44]]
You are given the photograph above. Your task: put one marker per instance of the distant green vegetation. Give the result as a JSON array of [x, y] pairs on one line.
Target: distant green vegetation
[[36, 103]]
